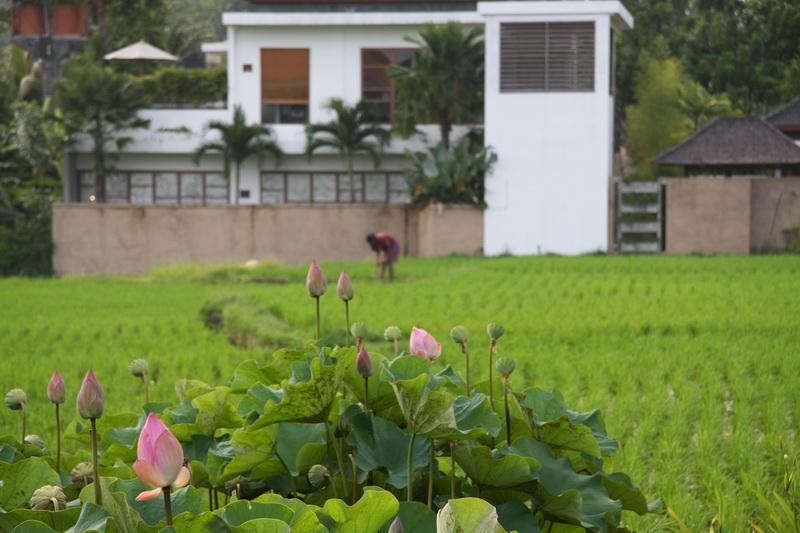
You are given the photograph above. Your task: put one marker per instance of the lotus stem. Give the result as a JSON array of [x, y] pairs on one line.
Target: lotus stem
[[56, 505], [453, 469], [146, 395], [168, 504], [465, 351], [394, 340], [216, 499], [491, 392], [409, 492], [95, 466], [355, 477], [210, 498], [58, 440], [508, 413], [339, 457], [318, 334], [22, 441], [333, 484], [366, 394], [430, 476], [347, 323]]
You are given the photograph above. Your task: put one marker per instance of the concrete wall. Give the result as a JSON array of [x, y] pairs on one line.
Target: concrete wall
[[730, 216], [548, 192], [131, 239]]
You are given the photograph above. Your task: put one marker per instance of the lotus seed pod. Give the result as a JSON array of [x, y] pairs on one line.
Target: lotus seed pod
[[56, 391], [138, 368], [495, 331], [359, 329], [459, 334], [505, 365], [392, 333], [316, 282], [16, 399], [318, 476], [364, 364], [49, 498], [36, 440], [82, 474], [345, 287], [397, 526]]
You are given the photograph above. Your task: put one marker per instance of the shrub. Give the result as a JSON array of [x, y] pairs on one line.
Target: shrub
[[173, 85]]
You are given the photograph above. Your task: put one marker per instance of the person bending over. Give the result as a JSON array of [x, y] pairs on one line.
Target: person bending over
[[387, 251]]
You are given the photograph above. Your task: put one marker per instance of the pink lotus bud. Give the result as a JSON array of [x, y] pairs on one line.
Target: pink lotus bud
[[160, 459], [345, 287], [90, 398], [397, 526], [423, 344], [316, 282], [56, 390], [364, 363]]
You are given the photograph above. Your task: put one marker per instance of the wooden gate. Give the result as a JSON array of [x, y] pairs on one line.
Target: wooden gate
[[639, 221]]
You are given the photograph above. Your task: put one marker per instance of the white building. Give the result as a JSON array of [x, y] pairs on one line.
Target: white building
[[548, 115]]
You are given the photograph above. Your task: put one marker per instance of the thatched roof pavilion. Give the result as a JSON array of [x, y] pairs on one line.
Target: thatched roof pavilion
[[787, 119], [735, 145]]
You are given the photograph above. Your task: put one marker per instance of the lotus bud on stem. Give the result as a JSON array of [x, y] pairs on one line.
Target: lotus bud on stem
[[459, 335], [339, 456], [317, 284], [397, 526], [505, 366], [364, 367], [495, 331], [16, 399], [393, 334], [423, 344], [90, 407], [57, 393], [139, 368], [344, 288]]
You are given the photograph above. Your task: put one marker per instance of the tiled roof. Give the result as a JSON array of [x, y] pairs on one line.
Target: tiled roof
[[787, 116], [733, 141]]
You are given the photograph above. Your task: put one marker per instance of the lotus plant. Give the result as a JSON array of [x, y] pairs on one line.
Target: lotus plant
[[317, 284], [359, 331], [505, 366], [90, 406], [49, 498], [459, 335], [16, 399], [344, 289], [397, 526], [364, 368], [495, 331], [57, 392], [138, 368], [160, 463], [393, 334], [424, 344]]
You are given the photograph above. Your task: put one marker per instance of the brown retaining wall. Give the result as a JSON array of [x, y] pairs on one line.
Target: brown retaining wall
[[131, 239]]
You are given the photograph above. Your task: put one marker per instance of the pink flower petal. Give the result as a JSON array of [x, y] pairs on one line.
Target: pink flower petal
[[184, 477], [148, 495], [168, 457], [149, 474]]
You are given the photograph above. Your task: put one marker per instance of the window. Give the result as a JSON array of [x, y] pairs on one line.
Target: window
[[376, 86], [158, 187], [284, 85], [546, 56], [293, 187]]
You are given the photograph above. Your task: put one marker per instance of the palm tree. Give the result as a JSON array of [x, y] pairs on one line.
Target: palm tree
[[348, 133], [238, 141], [101, 103], [444, 84]]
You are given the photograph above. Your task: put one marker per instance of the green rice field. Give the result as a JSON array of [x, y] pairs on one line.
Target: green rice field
[[694, 361]]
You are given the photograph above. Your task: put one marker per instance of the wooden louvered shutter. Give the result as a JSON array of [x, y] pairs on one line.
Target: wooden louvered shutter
[[546, 56]]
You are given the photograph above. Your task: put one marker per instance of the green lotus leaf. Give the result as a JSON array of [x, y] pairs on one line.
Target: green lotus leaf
[[309, 401], [619, 487], [32, 526], [202, 523], [475, 412], [58, 520], [404, 368], [257, 397], [369, 513], [185, 413], [10, 455], [309, 455], [489, 468], [21, 479], [416, 517], [468, 515], [381, 393], [304, 520], [188, 389], [220, 454], [239, 512], [92, 518], [262, 525], [291, 439], [249, 373], [214, 411], [124, 517], [515, 516], [567, 496], [380, 443], [251, 448]]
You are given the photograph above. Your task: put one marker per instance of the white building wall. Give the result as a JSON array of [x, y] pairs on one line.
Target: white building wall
[[549, 189]]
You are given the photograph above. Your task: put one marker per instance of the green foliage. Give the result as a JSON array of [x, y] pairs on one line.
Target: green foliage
[[174, 85], [444, 84], [656, 121], [701, 106], [441, 175], [794, 236]]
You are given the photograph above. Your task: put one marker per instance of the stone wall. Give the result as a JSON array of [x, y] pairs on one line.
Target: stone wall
[[131, 239]]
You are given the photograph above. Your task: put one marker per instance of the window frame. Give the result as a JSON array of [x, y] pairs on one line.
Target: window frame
[[284, 105], [392, 88]]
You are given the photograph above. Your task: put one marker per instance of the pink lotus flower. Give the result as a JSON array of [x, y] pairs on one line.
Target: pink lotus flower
[[160, 462], [56, 390], [345, 287], [316, 282], [424, 344], [364, 364], [90, 398]]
